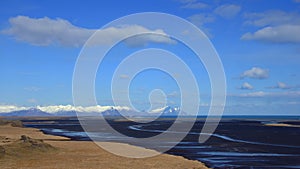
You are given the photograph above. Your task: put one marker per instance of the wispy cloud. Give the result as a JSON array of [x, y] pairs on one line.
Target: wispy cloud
[[246, 86], [46, 31], [228, 11], [272, 18], [275, 26], [277, 34], [195, 5], [201, 19], [270, 94], [255, 73], [173, 94], [32, 88], [281, 85], [158, 110]]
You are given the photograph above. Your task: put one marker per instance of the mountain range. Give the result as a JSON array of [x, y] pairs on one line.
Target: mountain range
[[167, 111]]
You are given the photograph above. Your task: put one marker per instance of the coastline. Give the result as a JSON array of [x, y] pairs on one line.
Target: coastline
[[77, 154], [281, 125]]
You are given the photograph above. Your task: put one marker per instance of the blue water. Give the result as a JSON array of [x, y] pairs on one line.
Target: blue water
[[236, 143]]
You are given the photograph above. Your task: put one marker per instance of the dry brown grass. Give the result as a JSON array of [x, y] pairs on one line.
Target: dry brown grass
[[53, 152]]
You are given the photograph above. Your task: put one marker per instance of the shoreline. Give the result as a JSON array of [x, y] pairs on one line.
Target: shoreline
[[281, 125], [80, 154]]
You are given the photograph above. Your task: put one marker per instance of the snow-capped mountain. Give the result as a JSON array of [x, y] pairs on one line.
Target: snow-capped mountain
[[166, 111], [68, 110], [111, 112], [29, 112]]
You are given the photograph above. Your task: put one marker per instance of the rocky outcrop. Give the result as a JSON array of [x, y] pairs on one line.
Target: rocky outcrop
[[30, 143], [24, 146]]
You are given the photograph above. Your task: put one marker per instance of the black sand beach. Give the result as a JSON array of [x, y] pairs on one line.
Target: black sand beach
[[25, 147], [237, 143]]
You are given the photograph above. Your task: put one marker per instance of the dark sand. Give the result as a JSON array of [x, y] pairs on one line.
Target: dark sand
[[47, 151]]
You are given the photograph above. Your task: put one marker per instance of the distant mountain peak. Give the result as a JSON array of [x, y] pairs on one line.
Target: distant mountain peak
[[28, 112], [166, 111]]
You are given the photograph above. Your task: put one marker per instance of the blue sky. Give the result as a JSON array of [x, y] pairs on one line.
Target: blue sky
[[257, 41]]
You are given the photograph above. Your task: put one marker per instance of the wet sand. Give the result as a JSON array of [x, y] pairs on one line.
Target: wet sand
[[281, 125], [60, 152]]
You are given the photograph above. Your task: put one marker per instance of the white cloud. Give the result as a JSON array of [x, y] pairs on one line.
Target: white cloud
[[281, 85], [272, 18], [228, 11], [254, 94], [277, 34], [275, 26], [195, 5], [158, 110], [147, 36], [270, 94], [173, 94], [201, 19], [246, 86], [255, 73], [46, 31]]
